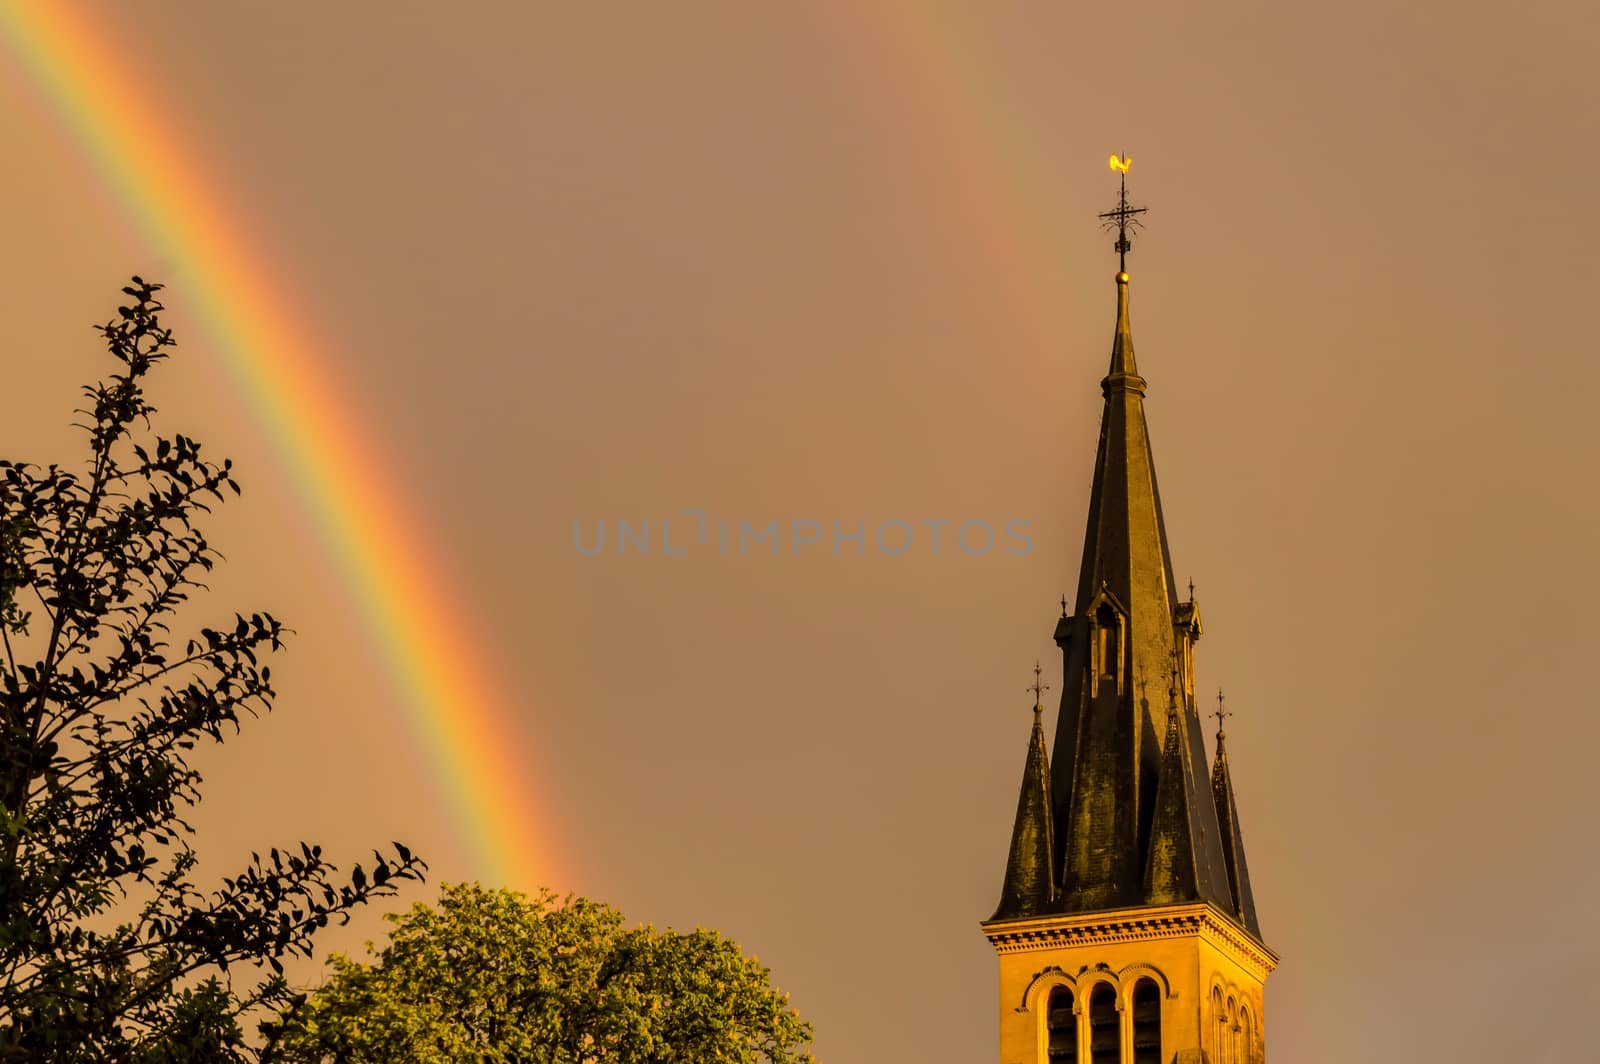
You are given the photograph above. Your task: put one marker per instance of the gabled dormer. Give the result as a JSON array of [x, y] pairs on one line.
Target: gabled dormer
[[1108, 641]]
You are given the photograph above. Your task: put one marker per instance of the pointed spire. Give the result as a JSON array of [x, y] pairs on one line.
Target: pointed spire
[[1244, 902], [1170, 867], [1133, 821], [1108, 740], [1029, 888], [1123, 369]]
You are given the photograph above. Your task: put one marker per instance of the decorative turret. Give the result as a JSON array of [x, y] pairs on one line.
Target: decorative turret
[[1244, 902], [1171, 859], [1028, 889]]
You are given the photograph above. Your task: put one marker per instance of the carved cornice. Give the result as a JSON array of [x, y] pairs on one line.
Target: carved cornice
[[1199, 920], [1256, 957]]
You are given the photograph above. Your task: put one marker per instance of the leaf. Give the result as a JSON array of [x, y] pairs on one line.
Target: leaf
[[119, 954]]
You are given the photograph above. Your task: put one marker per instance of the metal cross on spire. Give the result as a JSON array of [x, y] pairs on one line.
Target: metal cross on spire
[[1222, 712], [1124, 218], [1038, 688]]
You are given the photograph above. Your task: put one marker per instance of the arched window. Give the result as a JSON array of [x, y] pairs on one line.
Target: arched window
[[1105, 1032], [1247, 1037], [1230, 1033], [1219, 1022], [1146, 1022], [1061, 1028]]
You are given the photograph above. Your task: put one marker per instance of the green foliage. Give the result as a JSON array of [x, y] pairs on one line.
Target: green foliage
[[493, 976], [108, 948]]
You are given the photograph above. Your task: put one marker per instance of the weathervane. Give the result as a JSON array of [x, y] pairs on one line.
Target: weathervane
[[1038, 688], [1221, 712], [1124, 217]]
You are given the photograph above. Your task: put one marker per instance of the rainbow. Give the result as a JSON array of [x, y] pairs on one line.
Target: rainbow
[[970, 160], [424, 637]]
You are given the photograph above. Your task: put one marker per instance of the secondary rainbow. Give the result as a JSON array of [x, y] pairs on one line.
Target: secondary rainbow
[[425, 638], [974, 168]]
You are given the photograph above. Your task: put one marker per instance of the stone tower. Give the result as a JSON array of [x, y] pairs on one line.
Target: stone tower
[[1126, 930]]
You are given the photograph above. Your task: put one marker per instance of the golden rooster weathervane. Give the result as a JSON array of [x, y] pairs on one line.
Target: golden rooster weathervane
[[1124, 217]]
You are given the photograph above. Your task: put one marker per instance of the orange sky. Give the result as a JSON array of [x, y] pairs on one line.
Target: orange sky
[[840, 263]]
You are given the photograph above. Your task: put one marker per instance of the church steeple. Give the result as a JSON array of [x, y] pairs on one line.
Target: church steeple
[[1140, 945]]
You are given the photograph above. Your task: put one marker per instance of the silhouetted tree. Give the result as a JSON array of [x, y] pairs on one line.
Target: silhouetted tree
[[109, 950], [492, 976]]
